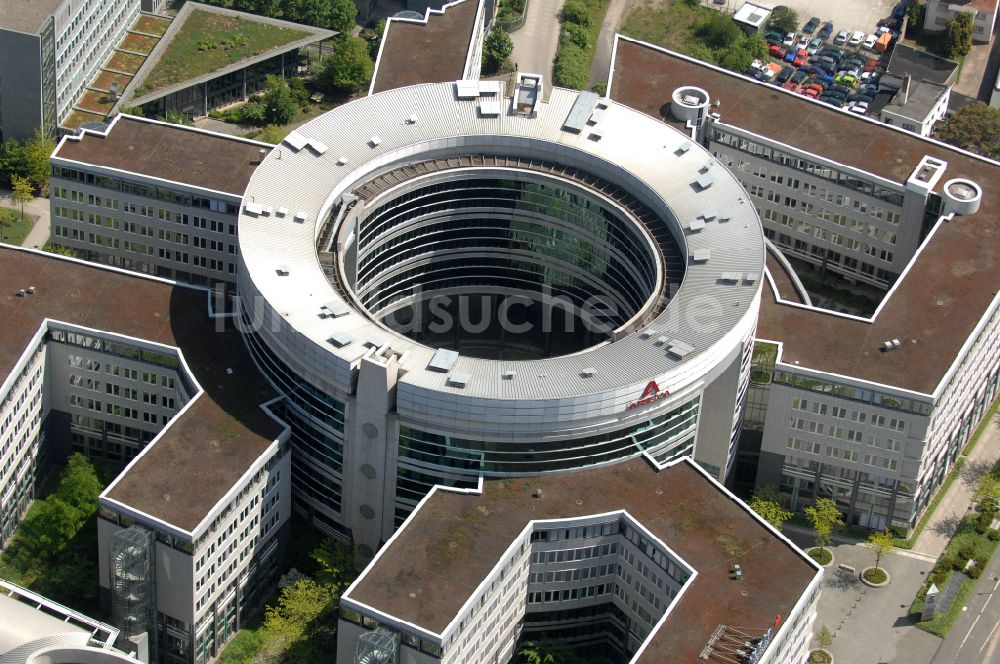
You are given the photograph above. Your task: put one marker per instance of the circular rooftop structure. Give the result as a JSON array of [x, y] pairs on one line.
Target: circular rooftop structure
[[547, 284]]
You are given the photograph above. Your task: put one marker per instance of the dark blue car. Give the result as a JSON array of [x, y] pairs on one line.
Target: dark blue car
[[826, 30]]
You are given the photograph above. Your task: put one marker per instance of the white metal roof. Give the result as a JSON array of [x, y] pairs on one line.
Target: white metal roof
[[636, 151]]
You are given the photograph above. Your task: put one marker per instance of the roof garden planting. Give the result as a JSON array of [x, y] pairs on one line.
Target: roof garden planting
[[209, 41]]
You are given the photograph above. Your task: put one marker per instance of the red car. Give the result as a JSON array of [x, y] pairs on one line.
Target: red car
[[777, 51], [812, 93], [790, 85], [800, 58]]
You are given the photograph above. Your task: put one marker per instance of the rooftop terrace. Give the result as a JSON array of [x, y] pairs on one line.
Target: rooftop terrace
[[430, 51], [454, 540], [949, 286], [169, 152], [202, 452]]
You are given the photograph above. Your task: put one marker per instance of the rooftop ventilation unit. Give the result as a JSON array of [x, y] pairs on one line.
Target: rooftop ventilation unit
[[459, 379], [375, 141], [340, 339], [282, 271], [696, 225], [701, 255], [709, 214], [282, 212], [333, 310], [443, 360], [588, 372], [376, 342], [466, 89], [508, 374], [704, 181], [647, 333], [411, 119], [296, 141], [300, 217], [733, 277], [680, 349], [490, 108], [341, 161], [317, 146], [581, 110], [682, 148]]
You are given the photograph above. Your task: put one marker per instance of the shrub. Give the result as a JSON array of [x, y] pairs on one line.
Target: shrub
[[570, 69], [975, 571], [575, 11], [718, 31], [821, 555]]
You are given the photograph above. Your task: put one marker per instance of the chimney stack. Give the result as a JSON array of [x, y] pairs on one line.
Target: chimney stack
[[905, 90]]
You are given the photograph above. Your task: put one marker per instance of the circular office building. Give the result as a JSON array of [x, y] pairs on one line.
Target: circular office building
[[463, 280]]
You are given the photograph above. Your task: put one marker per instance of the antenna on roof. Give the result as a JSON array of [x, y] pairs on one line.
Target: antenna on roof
[[717, 103]]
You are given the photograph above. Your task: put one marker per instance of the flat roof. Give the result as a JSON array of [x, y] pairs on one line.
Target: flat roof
[[435, 563], [921, 65], [170, 152], [430, 50], [751, 14], [922, 98], [203, 452], [26, 15], [987, 6], [934, 307]]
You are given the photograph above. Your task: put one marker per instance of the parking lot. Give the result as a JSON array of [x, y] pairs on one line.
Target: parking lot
[[850, 14]]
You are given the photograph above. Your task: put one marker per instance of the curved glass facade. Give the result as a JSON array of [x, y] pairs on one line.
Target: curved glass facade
[[539, 239]]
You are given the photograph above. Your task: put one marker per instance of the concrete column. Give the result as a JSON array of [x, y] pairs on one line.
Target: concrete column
[[370, 454]]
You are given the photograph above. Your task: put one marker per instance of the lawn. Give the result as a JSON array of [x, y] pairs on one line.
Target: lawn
[[138, 43], [208, 42], [125, 62], [13, 229], [668, 23]]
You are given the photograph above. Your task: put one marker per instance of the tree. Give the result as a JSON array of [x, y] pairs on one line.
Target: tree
[[300, 606], [574, 11], [12, 161], [783, 19], [342, 16], [913, 15], [53, 525], [547, 652], [881, 544], [309, 12], [987, 493], [974, 127], [278, 101], [824, 637], [496, 50], [23, 192], [349, 66], [253, 112], [765, 502], [718, 31], [36, 154], [79, 485], [174, 116], [824, 517], [958, 35]]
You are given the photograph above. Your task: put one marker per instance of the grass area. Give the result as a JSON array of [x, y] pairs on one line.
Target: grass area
[[821, 555], [669, 23], [760, 377], [986, 421], [764, 352], [843, 296], [929, 512], [875, 575], [967, 544], [207, 42], [13, 229], [125, 62]]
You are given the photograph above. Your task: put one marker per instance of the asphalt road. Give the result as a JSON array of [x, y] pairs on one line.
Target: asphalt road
[[975, 637]]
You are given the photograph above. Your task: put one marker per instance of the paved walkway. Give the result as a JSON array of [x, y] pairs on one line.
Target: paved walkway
[[618, 10], [958, 501], [39, 233], [973, 69], [535, 43]]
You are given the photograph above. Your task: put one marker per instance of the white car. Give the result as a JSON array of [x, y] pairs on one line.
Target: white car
[[788, 40], [842, 37], [857, 38], [870, 41], [860, 108], [803, 43]]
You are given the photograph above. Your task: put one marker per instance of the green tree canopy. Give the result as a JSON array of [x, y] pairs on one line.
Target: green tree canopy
[[574, 11], [783, 19], [496, 50], [79, 485], [824, 517], [36, 154], [958, 35], [974, 127], [881, 544], [987, 492], [309, 12], [12, 161], [22, 191], [349, 66], [278, 101], [342, 15], [765, 502], [718, 31]]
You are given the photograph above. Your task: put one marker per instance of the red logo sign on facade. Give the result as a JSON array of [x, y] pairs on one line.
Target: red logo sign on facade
[[651, 394]]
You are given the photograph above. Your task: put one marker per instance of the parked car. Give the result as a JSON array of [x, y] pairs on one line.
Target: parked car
[[831, 51], [814, 46], [842, 37], [832, 101], [857, 38], [784, 75], [800, 58], [827, 68], [868, 89], [836, 92], [812, 93], [774, 35], [826, 30], [803, 43], [789, 39], [848, 80], [790, 55], [777, 51], [811, 26], [859, 98], [791, 85], [870, 40], [841, 89]]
